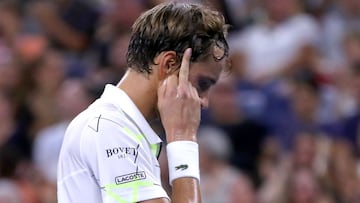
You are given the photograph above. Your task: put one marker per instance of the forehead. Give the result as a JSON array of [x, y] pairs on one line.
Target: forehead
[[209, 67]]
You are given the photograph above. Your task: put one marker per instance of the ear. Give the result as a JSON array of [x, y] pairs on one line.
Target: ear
[[166, 62]]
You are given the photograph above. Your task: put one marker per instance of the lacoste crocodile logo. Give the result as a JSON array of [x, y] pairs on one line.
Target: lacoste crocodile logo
[[181, 167]]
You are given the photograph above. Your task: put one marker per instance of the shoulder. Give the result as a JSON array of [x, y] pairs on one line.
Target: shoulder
[[100, 124]]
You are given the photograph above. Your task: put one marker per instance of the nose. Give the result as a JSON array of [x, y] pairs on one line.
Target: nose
[[204, 101]]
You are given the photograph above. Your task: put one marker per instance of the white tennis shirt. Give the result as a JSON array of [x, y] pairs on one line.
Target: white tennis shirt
[[109, 154]]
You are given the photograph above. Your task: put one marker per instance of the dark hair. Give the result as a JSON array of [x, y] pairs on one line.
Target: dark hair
[[175, 27]]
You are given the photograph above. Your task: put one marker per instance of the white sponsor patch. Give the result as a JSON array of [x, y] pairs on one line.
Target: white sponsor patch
[[140, 175]]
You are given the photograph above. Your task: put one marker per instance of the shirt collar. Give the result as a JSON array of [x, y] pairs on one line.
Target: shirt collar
[[122, 101]]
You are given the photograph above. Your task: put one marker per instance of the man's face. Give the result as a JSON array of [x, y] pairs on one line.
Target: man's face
[[205, 74]]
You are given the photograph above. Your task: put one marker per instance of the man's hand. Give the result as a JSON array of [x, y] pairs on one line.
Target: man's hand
[[179, 104]]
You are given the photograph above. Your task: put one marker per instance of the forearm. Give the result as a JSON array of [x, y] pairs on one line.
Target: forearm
[[64, 34], [48, 16], [186, 190]]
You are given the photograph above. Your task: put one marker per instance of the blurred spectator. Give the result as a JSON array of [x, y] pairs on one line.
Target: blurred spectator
[[325, 12], [246, 135], [240, 13], [304, 187], [10, 22], [336, 20], [70, 24], [34, 99], [351, 12], [301, 110], [270, 49], [296, 177], [72, 97], [48, 76], [342, 179], [113, 34], [117, 55], [221, 182], [114, 22]]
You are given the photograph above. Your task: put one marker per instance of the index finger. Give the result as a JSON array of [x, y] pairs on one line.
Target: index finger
[[184, 68]]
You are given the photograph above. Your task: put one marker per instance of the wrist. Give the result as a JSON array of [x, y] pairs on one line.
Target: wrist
[[183, 160], [175, 138], [189, 135]]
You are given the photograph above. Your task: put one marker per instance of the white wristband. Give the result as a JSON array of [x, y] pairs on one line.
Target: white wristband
[[183, 160]]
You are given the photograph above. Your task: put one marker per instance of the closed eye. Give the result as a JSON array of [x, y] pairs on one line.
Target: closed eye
[[204, 84]]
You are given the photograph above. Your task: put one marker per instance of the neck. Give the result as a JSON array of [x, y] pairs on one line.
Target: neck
[[142, 90]]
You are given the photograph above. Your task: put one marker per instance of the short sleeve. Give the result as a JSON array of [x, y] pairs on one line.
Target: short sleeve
[[121, 161]]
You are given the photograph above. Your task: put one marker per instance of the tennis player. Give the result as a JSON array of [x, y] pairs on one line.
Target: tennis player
[[109, 154]]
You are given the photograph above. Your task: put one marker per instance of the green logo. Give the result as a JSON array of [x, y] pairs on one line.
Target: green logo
[[181, 167]]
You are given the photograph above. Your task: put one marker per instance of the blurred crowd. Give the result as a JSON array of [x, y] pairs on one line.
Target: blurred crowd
[[283, 126]]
